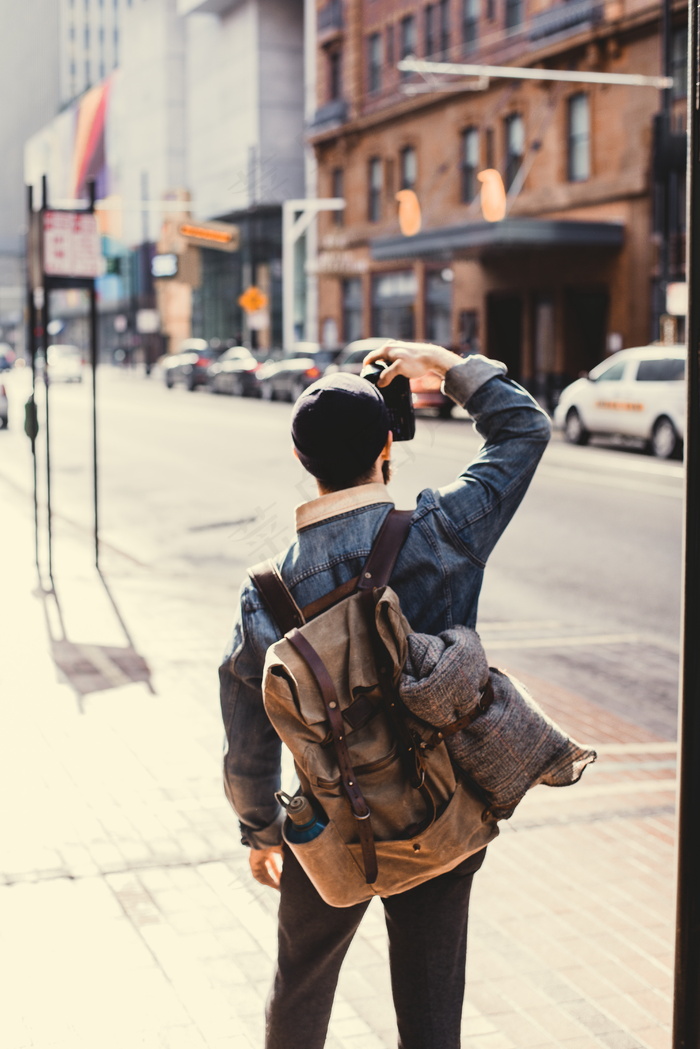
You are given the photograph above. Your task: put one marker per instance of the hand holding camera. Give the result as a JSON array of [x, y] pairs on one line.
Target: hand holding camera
[[412, 359]]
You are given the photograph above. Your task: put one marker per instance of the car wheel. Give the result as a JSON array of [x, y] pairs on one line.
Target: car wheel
[[191, 384], [445, 411], [267, 393], [169, 381], [3, 422], [574, 430], [664, 439]]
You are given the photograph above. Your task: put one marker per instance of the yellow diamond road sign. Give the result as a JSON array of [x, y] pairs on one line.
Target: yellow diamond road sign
[[253, 299]]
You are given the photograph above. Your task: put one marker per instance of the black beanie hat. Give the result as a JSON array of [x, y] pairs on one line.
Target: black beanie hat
[[339, 426]]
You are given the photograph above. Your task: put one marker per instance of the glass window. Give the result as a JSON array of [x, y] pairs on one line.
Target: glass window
[[470, 164], [664, 370], [430, 31], [374, 196], [679, 62], [579, 143], [334, 75], [515, 146], [470, 25], [612, 374], [374, 63], [338, 190], [444, 28], [514, 14], [438, 308], [408, 36], [393, 305], [352, 311], [390, 45], [408, 168]]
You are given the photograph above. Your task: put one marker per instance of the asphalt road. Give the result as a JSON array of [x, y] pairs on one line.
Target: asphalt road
[[582, 590]]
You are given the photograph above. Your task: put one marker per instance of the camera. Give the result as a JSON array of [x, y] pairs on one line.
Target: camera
[[398, 400]]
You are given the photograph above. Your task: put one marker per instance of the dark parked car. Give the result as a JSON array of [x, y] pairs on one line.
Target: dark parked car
[[3, 407], [189, 365], [287, 378], [234, 372]]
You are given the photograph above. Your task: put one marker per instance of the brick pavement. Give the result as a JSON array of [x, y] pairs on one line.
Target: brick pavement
[[128, 916]]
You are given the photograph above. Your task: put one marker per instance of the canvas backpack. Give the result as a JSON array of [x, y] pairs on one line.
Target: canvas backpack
[[398, 812]]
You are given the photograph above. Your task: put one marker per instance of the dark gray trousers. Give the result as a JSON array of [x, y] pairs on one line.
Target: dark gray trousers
[[427, 929]]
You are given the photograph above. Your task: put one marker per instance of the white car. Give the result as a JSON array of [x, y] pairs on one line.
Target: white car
[[638, 393], [65, 363]]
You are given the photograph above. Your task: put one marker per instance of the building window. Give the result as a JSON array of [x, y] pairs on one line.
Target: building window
[[393, 304], [374, 195], [408, 37], [470, 25], [374, 63], [390, 45], [87, 36], [470, 164], [490, 148], [430, 28], [514, 14], [337, 190], [335, 75], [438, 307], [352, 309], [679, 62], [408, 168], [444, 28], [579, 139], [515, 146]]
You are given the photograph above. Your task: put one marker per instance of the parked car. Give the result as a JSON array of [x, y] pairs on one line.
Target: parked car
[[65, 363], [639, 392], [287, 378], [234, 372], [7, 356], [190, 364], [426, 391], [3, 407]]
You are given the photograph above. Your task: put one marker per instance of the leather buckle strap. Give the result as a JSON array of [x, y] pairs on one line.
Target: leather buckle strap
[[385, 550], [359, 806], [276, 595]]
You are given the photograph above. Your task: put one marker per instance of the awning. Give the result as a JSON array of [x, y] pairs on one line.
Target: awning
[[485, 238]]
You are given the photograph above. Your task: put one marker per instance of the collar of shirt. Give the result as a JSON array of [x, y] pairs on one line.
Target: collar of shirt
[[336, 503]]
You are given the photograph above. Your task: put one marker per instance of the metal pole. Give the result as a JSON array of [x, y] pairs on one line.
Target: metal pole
[[44, 315], [94, 356], [32, 265], [686, 1016]]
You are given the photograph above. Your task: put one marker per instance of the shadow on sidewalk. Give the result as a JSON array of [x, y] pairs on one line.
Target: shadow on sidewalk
[[91, 667]]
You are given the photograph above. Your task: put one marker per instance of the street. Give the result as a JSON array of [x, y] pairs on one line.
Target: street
[[583, 591]]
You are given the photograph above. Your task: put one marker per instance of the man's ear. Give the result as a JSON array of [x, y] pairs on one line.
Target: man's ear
[[386, 450], [296, 453]]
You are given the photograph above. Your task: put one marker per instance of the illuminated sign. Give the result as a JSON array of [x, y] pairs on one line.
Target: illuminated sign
[[164, 265], [220, 235]]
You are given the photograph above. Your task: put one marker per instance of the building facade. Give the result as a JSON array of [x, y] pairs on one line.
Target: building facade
[[593, 173], [202, 120]]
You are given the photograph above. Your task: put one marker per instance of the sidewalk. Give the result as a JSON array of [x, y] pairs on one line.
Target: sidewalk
[[128, 916]]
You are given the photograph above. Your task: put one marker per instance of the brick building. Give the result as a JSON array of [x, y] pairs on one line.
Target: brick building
[[593, 173]]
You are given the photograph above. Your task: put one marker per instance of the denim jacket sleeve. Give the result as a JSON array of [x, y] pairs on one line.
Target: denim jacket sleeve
[[486, 494], [253, 749]]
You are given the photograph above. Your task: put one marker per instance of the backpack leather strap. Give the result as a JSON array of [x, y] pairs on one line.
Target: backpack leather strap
[[359, 806], [276, 595], [385, 550]]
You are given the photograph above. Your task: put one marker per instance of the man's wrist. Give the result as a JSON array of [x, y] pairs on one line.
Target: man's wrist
[[442, 360]]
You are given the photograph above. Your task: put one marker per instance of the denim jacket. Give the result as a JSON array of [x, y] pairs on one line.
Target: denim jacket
[[438, 574]]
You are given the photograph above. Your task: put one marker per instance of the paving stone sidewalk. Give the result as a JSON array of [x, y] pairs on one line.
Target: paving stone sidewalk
[[128, 916]]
